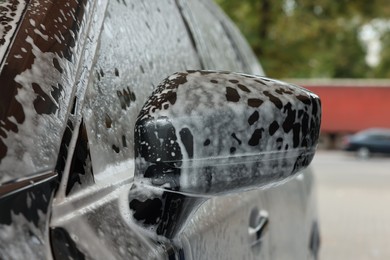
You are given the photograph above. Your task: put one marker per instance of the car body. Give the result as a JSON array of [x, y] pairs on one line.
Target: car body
[[74, 76], [366, 142]]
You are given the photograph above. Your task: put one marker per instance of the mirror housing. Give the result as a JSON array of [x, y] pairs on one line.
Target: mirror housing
[[208, 133]]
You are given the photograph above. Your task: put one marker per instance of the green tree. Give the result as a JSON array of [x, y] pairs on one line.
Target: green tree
[[383, 68], [302, 38]]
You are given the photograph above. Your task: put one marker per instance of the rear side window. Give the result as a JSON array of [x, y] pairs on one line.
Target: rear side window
[[380, 137], [217, 41]]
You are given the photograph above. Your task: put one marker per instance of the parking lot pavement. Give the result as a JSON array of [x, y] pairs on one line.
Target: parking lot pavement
[[354, 206]]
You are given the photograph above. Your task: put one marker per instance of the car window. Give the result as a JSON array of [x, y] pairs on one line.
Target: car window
[[372, 135], [218, 42], [132, 59], [380, 137]]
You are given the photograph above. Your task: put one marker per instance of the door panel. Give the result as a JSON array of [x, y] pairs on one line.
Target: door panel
[[141, 42], [223, 222]]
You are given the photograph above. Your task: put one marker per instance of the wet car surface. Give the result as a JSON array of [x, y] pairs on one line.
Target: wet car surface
[[75, 76]]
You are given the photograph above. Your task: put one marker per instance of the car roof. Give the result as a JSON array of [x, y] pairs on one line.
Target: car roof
[[375, 131]]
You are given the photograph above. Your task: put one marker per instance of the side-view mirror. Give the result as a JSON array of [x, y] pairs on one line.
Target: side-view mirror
[[206, 133]]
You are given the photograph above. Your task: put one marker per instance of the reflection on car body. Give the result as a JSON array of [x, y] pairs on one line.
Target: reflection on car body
[[75, 75]]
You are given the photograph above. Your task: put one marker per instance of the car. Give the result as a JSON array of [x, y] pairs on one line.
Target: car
[[137, 129], [369, 141]]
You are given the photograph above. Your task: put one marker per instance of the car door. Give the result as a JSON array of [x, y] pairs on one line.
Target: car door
[[290, 207], [141, 43], [379, 142], [74, 75], [100, 61], [46, 55]]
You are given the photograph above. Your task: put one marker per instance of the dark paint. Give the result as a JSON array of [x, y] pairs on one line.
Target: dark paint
[[188, 140], [166, 132], [50, 28], [256, 136], [253, 118], [155, 149], [63, 246], [273, 128], [63, 153], [236, 138], [29, 197], [166, 214], [232, 95], [147, 212], [159, 155], [277, 102], [81, 171], [44, 13], [243, 88], [254, 102]]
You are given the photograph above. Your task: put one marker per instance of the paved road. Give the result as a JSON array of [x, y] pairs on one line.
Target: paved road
[[354, 206]]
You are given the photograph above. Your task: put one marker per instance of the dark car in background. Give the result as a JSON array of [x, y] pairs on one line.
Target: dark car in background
[[367, 142], [123, 136]]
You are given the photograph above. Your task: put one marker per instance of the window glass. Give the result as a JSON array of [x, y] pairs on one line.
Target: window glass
[[142, 43], [218, 42]]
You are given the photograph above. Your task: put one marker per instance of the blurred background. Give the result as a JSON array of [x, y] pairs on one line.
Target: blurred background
[[321, 39], [340, 50]]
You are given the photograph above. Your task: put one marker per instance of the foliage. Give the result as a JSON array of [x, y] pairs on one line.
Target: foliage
[[383, 69], [303, 38]]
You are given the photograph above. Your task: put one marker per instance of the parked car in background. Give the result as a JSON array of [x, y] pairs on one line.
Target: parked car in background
[[123, 136], [340, 118], [367, 142]]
